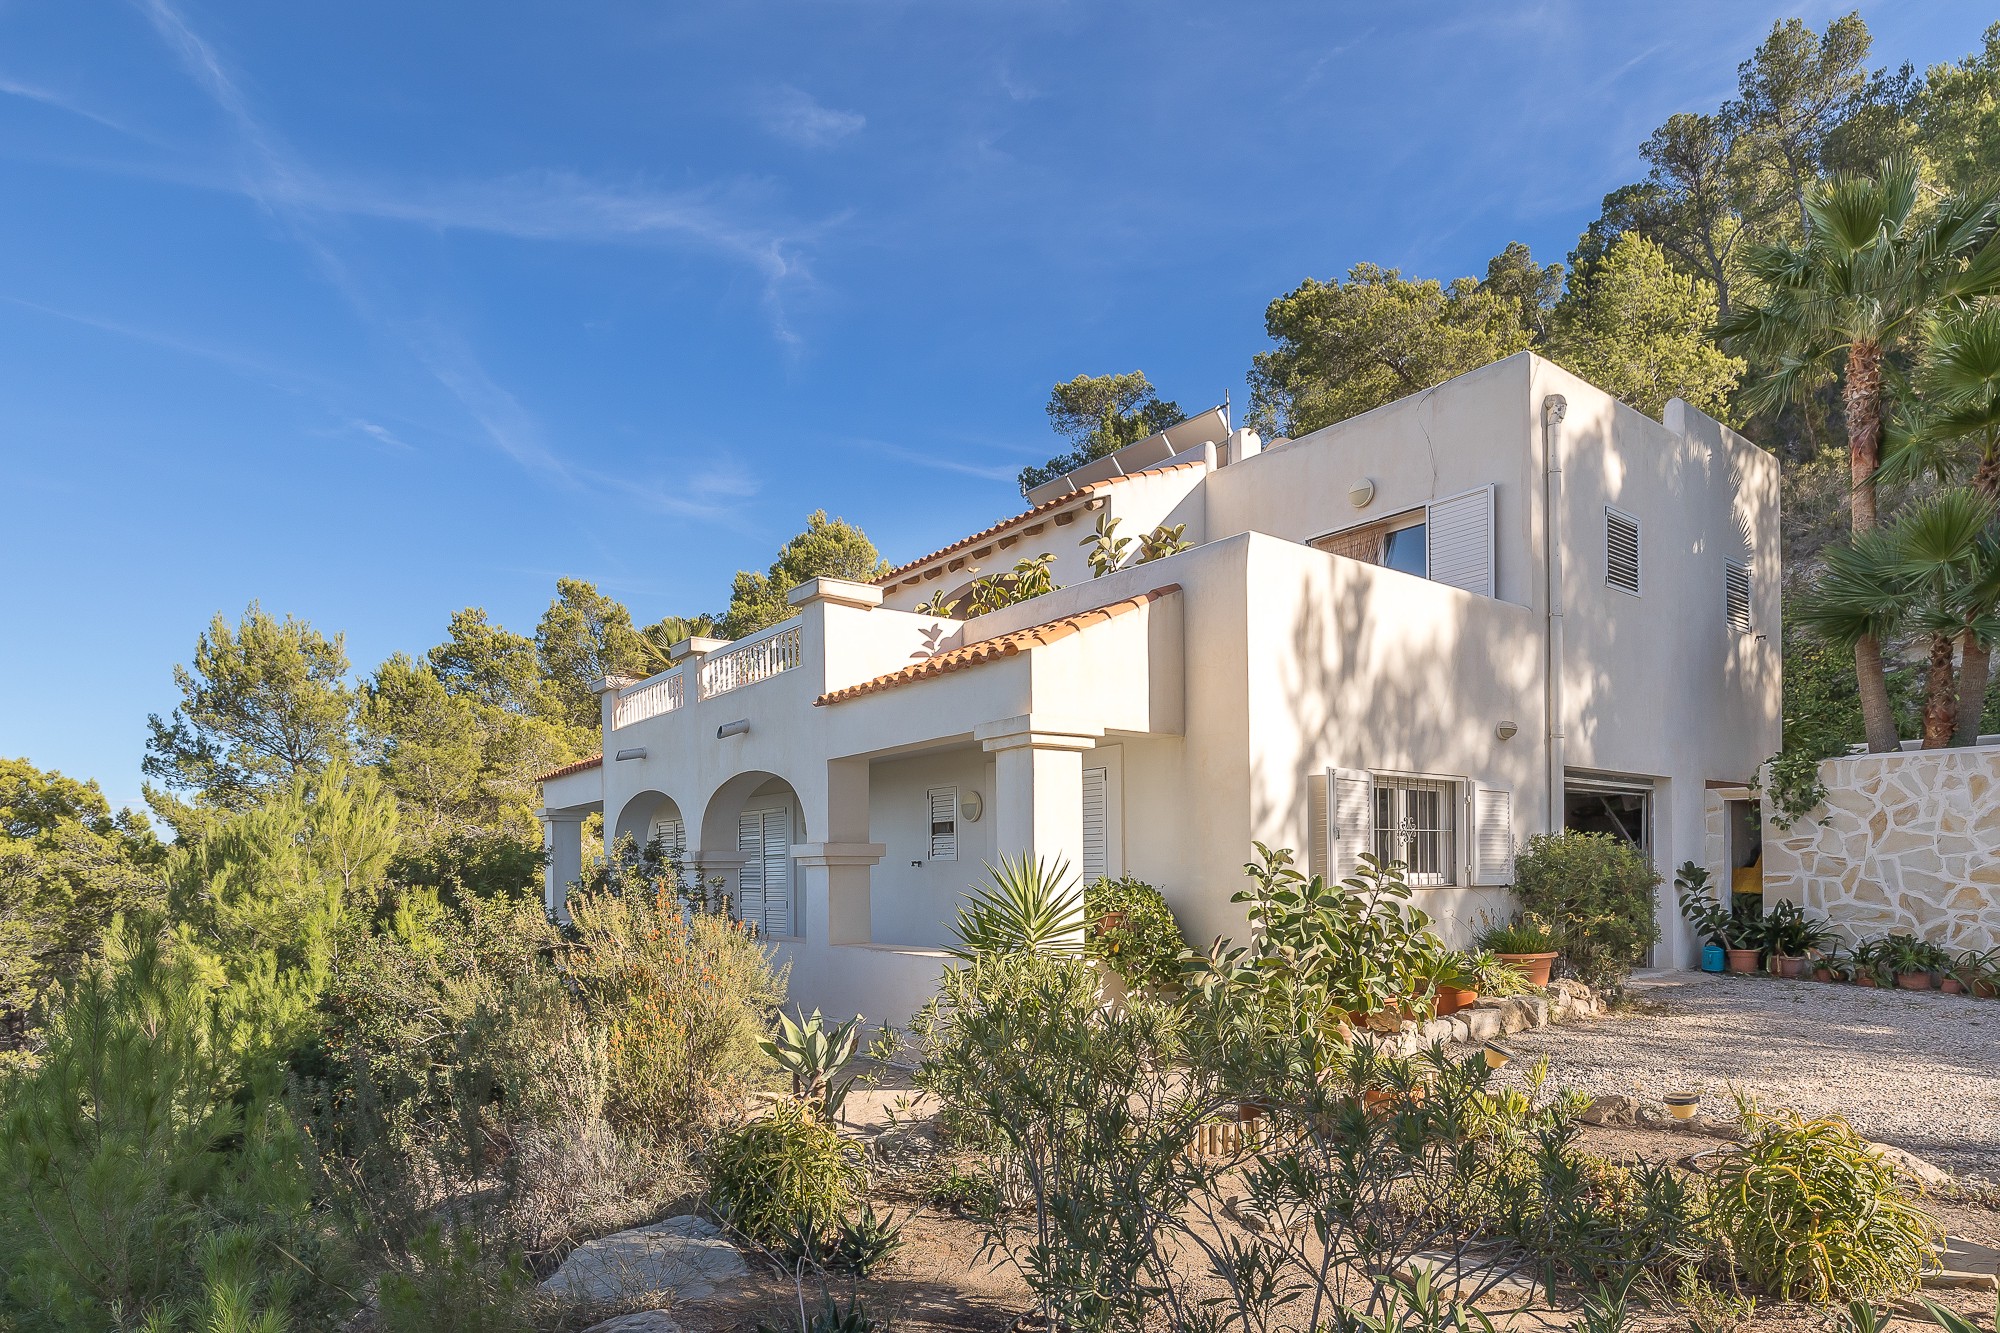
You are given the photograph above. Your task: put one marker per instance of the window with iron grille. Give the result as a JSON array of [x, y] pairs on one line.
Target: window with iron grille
[[1736, 595], [1621, 551], [1416, 823]]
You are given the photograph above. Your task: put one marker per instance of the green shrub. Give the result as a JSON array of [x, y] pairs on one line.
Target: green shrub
[[140, 1179], [1133, 932], [1521, 935], [1028, 905], [684, 999], [1597, 891], [455, 1286], [786, 1180], [1811, 1211]]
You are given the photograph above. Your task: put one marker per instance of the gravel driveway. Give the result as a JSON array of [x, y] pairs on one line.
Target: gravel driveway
[[1919, 1070]]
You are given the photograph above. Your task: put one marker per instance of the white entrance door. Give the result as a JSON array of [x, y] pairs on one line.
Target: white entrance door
[[764, 839]]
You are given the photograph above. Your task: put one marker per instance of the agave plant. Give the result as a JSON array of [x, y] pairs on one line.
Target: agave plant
[[814, 1054], [1029, 905]]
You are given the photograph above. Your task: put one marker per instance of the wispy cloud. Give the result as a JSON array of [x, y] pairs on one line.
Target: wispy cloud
[[938, 462], [796, 116], [539, 206], [61, 102]]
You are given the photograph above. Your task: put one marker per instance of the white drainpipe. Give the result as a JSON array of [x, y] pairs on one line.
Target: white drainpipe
[[1553, 408]]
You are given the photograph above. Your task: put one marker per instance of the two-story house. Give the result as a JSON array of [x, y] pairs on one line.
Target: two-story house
[[1504, 605]]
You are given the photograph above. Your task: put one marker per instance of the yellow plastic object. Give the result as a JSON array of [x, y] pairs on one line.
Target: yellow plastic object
[[1748, 879]]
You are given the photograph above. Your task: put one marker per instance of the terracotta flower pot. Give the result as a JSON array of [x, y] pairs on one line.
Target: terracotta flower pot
[[1985, 990], [1866, 980], [1952, 986], [1789, 968], [1533, 966], [1451, 999], [1742, 960], [1823, 974], [1913, 980]]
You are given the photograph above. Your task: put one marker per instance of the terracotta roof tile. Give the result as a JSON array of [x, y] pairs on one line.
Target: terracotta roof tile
[[1045, 507], [994, 649], [580, 766]]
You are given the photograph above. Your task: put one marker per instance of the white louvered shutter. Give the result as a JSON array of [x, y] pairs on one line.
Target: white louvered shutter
[[1621, 550], [1492, 835], [1319, 824], [750, 882], [671, 834], [1353, 819], [764, 839], [944, 823], [1096, 826], [1736, 595], [1459, 533]]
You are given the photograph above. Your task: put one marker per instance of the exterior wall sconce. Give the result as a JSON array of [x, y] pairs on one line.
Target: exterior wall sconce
[[639, 753], [736, 728], [1505, 731], [971, 807], [1360, 493]]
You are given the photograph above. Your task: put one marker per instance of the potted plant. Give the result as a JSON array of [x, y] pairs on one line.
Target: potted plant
[[1443, 980], [1524, 944], [1829, 965], [1911, 961], [1709, 918], [1791, 936]]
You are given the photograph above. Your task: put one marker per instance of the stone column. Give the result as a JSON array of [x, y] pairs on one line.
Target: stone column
[[835, 875], [562, 840], [1038, 789]]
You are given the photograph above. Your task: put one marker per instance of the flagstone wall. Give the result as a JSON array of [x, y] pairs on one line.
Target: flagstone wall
[[1907, 841]]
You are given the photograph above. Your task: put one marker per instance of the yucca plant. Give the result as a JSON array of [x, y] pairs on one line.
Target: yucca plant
[[1030, 905]]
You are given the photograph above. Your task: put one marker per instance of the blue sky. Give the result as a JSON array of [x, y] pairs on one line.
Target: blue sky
[[376, 310]]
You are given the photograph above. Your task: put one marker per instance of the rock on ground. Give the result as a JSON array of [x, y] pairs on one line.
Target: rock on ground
[[684, 1255], [644, 1321]]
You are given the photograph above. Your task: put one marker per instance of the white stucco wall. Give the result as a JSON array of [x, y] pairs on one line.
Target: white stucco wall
[[1273, 662]]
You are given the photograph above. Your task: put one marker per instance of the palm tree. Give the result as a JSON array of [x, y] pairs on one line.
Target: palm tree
[[1872, 266], [1936, 571], [1953, 433]]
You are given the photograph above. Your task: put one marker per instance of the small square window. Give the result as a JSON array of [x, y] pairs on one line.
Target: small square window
[[944, 823]]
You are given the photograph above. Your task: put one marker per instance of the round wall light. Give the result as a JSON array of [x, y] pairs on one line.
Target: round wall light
[[1360, 493], [1505, 731], [970, 807]]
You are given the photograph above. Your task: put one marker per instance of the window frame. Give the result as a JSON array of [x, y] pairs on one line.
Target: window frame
[[1638, 552], [932, 822], [1730, 568], [1395, 790]]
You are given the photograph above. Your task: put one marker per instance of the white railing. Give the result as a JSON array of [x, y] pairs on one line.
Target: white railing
[[759, 658], [661, 694]]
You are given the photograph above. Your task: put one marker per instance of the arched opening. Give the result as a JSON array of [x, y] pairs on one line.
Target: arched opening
[[653, 817], [751, 822]]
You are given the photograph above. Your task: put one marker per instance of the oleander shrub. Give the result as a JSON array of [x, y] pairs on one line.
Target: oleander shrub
[[786, 1181], [1132, 931], [1810, 1211], [1597, 892]]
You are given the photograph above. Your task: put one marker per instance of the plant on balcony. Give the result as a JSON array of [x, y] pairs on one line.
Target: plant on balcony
[[1029, 578], [1162, 542], [1104, 550], [1133, 932], [1028, 906]]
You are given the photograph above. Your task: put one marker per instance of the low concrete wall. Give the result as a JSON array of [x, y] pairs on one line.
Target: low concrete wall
[[1906, 841]]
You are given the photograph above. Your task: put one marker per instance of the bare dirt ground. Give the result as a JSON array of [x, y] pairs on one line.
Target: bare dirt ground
[[1918, 1071]]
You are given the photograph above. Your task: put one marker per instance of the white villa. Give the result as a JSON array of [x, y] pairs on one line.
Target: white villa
[[1500, 606]]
